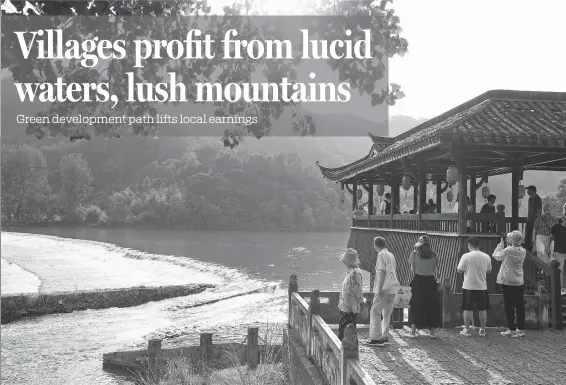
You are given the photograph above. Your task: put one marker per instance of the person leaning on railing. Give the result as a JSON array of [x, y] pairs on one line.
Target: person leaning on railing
[[351, 301], [541, 234]]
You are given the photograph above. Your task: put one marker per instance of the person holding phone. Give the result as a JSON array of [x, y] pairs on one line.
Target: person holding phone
[[510, 277]]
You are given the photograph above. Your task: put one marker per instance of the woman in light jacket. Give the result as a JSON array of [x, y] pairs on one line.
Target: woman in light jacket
[[510, 278], [351, 300]]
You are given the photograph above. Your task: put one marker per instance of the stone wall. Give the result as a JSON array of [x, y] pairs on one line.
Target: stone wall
[[18, 306]]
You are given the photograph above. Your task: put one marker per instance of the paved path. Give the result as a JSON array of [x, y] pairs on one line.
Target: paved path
[[538, 358]]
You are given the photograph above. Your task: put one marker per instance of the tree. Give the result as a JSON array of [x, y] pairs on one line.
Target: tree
[[26, 194], [557, 199], [139, 18], [76, 181]]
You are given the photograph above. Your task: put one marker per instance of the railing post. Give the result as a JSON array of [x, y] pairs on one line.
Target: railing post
[[253, 348], [348, 350], [556, 295], [314, 308], [293, 288], [205, 346], [543, 302], [153, 352]]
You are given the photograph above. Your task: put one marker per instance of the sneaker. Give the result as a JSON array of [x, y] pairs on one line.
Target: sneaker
[[466, 332], [481, 333], [563, 291], [518, 333], [508, 333]]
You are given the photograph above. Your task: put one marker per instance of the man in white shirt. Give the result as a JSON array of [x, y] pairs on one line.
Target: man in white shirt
[[475, 265], [386, 284]]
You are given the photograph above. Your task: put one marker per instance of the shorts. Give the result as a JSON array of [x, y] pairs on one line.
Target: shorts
[[475, 300]]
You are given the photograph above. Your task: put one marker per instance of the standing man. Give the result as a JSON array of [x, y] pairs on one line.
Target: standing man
[[558, 235], [384, 294], [535, 210], [385, 207], [475, 265]]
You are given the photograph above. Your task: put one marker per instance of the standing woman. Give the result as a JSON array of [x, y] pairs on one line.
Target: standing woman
[[351, 300], [510, 278], [425, 300]]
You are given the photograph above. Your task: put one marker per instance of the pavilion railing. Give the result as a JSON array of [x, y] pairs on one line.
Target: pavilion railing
[[337, 360], [443, 222]]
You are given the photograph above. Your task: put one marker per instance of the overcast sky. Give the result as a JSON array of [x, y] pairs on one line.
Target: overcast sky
[[459, 49]]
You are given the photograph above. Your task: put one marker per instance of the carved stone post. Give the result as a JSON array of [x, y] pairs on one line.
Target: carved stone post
[[556, 295], [543, 308], [348, 351], [293, 288], [314, 308]]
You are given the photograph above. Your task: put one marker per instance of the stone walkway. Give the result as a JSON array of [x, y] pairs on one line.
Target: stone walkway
[[538, 358]]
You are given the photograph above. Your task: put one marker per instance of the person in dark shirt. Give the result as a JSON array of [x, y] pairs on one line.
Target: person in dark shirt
[[489, 207], [535, 210], [558, 235], [385, 208]]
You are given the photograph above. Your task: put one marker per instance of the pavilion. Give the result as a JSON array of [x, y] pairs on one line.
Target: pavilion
[[498, 132]]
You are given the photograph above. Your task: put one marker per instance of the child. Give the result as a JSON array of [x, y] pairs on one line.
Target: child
[[351, 300], [500, 220]]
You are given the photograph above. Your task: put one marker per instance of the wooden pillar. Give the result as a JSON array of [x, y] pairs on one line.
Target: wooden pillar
[[473, 189], [439, 197], [252, 347], [293, 288], [394, 196], [463, 191], [415, 197], [354, 196], [205, 346], [348, 351], [370, 199], [422, 192], [515, 180], [314, 308], [153, 352]]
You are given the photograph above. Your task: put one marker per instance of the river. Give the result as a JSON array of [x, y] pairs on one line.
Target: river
[[67, 348]]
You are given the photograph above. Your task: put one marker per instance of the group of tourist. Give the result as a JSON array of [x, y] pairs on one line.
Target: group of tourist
[[425, 305]]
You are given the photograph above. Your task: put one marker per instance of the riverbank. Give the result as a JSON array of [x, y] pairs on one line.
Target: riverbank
[[66, 349], [68, 265], [15, 307]]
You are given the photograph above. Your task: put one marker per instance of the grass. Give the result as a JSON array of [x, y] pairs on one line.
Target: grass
[[272, 370]]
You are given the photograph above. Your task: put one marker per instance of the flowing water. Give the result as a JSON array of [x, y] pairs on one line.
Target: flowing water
[[67, 348]]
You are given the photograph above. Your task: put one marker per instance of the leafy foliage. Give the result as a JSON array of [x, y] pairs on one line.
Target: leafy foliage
[[76, 180], [204, 187], [557, 198], [128, 20], [26, 194]]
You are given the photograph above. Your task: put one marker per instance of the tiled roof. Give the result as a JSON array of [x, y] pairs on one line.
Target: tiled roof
[[493, 118]]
